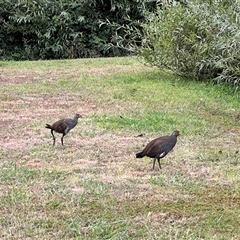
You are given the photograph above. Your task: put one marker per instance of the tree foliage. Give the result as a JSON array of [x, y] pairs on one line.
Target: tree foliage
[[43, 29], [200, 40]]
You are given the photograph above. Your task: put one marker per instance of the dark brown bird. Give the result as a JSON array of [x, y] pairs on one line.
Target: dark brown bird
[[159, 148], [63, 126]]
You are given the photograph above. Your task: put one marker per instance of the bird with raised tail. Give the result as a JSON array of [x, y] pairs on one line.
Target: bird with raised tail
[[63, 126], [159, 148]]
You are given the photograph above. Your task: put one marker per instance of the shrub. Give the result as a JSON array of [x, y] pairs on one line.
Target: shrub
[[199, 40], [44, 29]]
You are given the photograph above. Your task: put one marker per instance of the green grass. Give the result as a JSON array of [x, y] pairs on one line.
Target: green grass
[[93, 187]]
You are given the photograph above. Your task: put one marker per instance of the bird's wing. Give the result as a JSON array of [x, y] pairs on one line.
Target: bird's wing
[[59, 126], [155, 147]]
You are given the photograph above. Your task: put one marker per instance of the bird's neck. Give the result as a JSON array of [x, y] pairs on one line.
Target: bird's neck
[[75, 119]]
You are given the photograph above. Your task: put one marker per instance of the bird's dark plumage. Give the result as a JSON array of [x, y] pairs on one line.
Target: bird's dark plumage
[[63, 126], [159, 147]]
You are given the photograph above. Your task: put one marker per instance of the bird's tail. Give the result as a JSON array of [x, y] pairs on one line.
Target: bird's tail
[[140, 155], [48, 126]]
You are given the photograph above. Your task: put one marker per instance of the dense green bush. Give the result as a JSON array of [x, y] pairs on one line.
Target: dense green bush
[[200, 40], [43, 29]]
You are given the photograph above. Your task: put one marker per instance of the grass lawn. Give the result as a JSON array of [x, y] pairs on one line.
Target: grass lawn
[[93, 187]]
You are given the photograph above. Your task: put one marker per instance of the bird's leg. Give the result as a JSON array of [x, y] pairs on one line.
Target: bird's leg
[[154, 160], [62, 138], [159, 164], [53, 137]]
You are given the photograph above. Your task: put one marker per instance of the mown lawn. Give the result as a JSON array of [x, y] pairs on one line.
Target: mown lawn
[[93, 187]]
